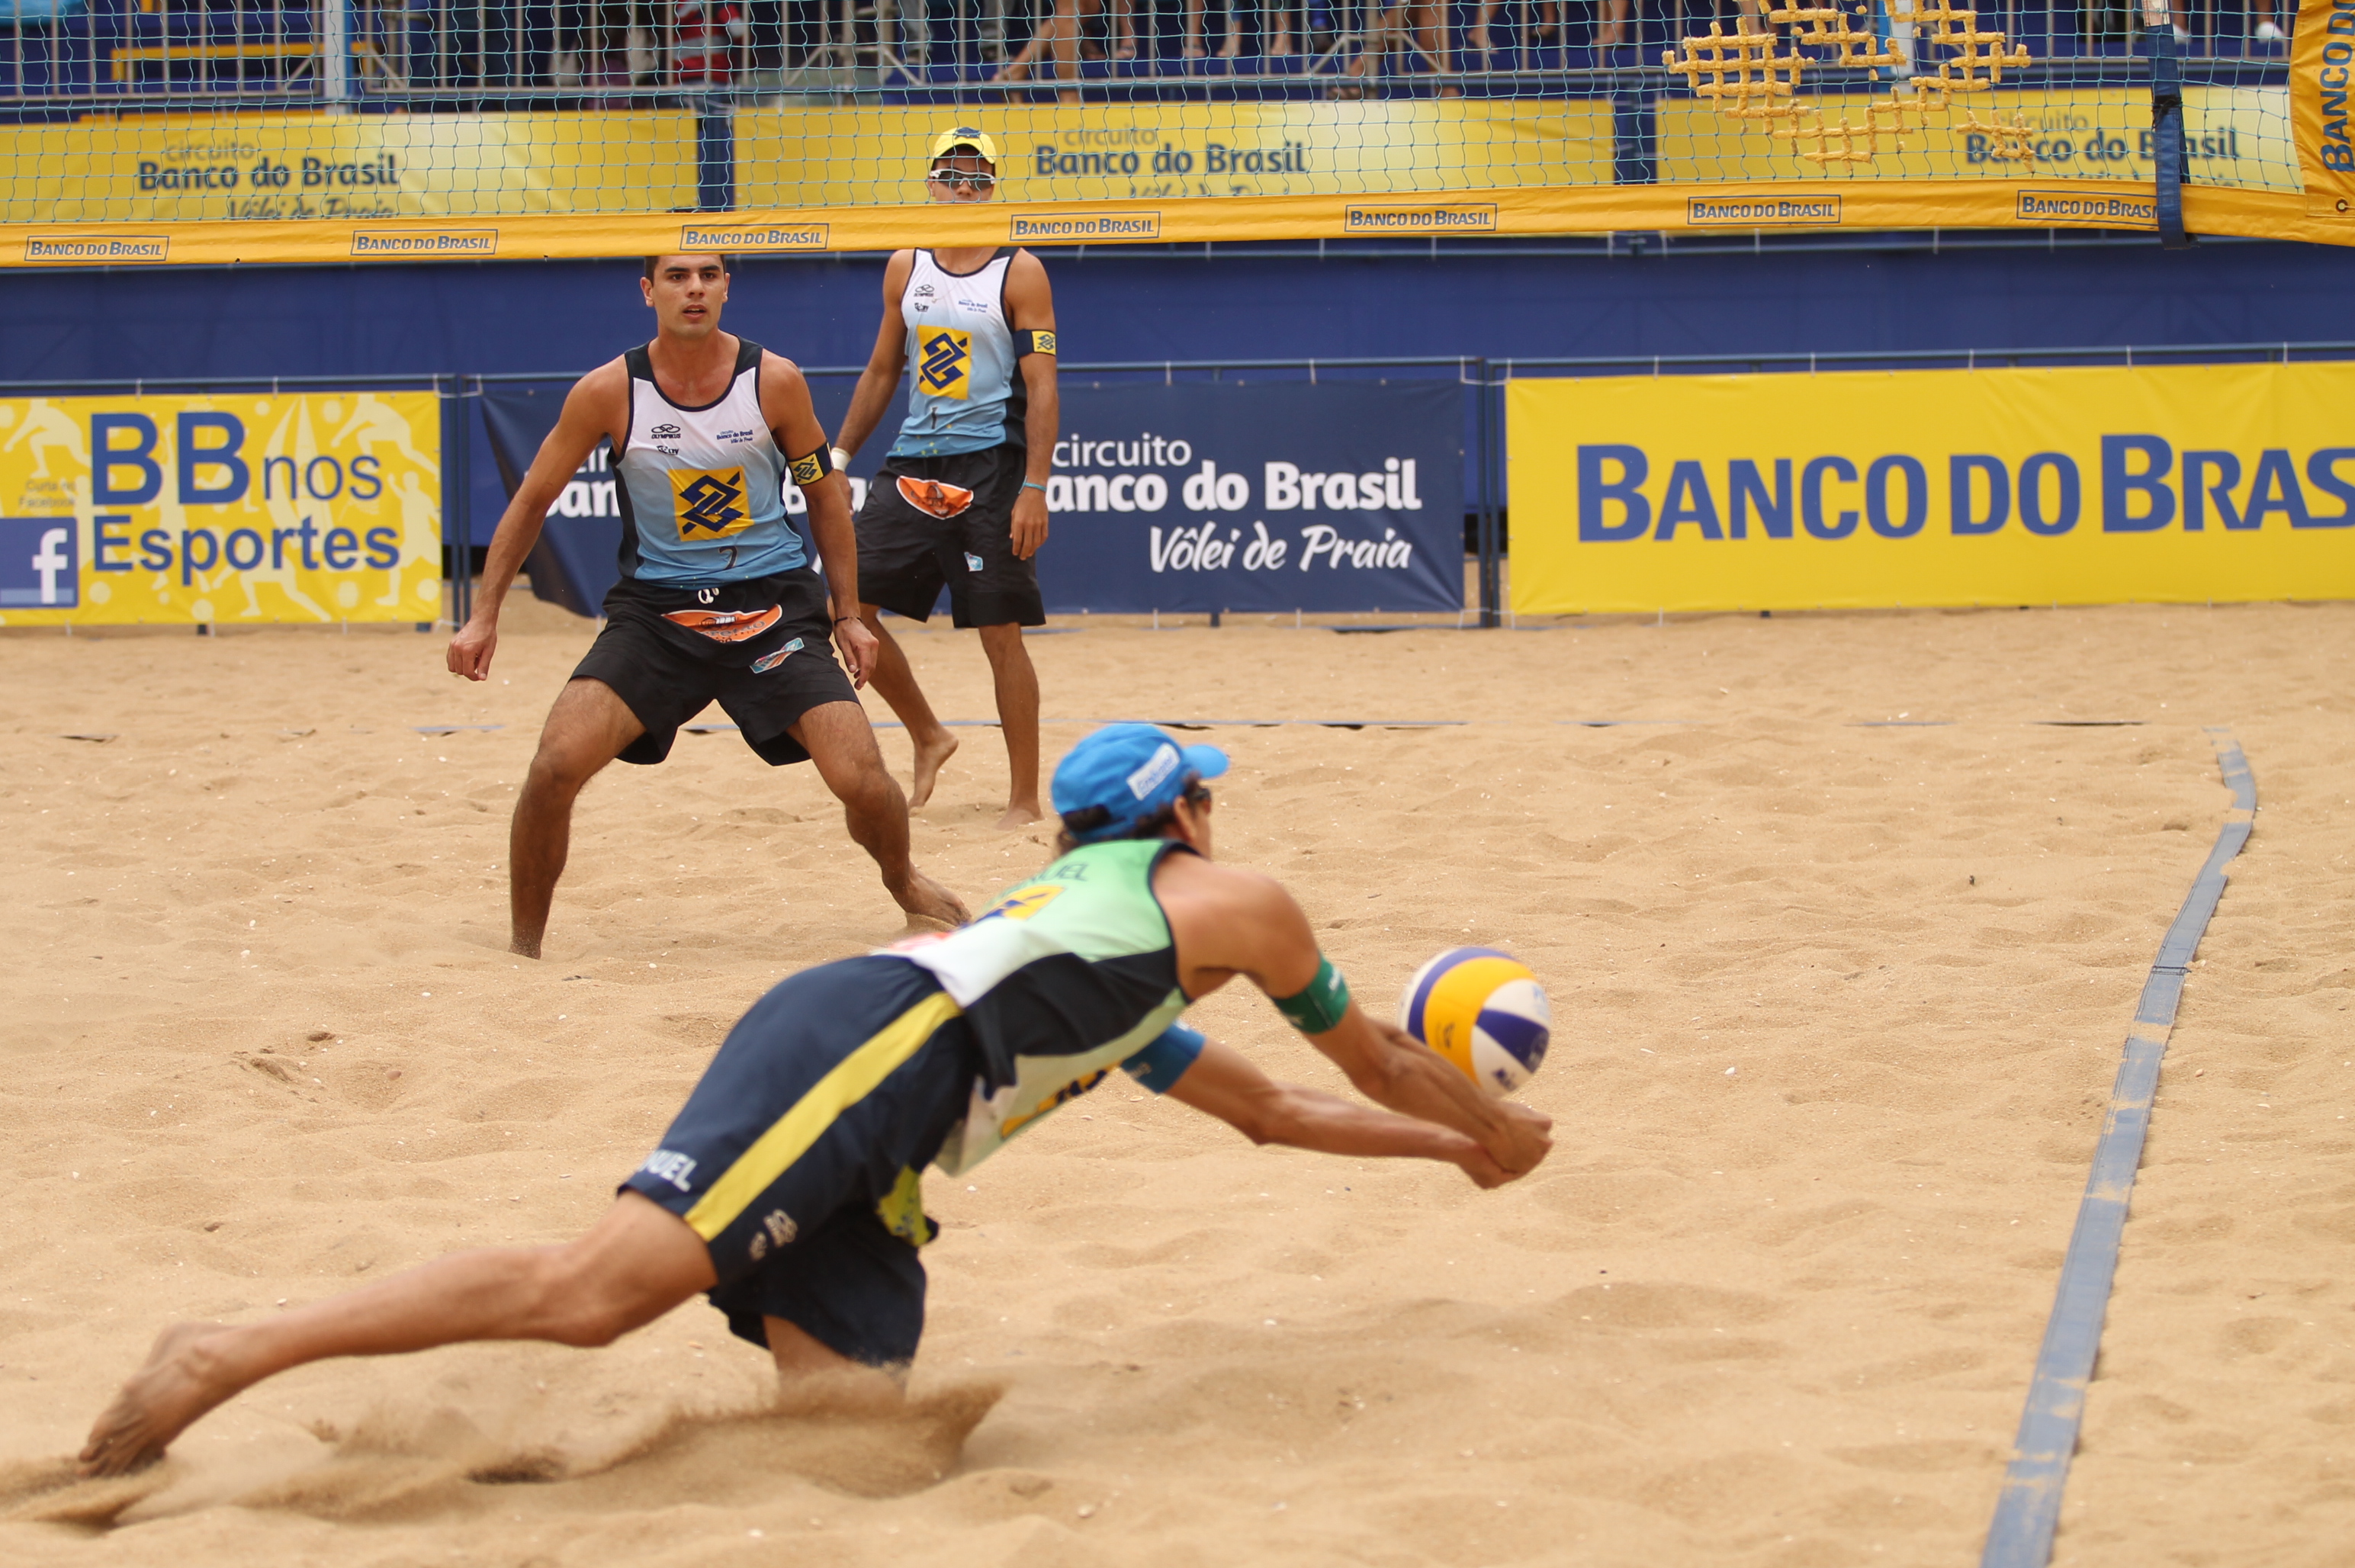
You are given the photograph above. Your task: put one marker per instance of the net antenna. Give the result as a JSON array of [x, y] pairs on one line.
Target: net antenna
[[1744, 78]]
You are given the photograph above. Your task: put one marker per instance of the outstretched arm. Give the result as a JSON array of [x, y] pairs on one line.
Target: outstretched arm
[[888, 357], [1222, 1084], [597, 405], [1230, 922], [785, 404], [1032, 304]]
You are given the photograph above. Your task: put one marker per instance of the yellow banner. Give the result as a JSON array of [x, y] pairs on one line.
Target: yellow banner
[[2077, 486], [262, 168], [325, 506], [1531, 210], [2322, 51], [2234, 137], [1129, 151]]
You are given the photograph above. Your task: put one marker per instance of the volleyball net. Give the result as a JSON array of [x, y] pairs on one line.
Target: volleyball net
[[173, 132]]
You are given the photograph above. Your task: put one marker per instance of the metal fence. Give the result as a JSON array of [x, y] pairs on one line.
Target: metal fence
[[387, 54]]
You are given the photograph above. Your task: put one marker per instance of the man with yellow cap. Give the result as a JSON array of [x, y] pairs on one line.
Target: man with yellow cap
[[961, 501]]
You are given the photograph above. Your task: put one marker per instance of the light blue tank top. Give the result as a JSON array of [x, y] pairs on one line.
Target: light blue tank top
[[967, 395], [702, 490]]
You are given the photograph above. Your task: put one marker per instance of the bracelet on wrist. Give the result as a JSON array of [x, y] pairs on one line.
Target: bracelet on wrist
[[1033, 485]]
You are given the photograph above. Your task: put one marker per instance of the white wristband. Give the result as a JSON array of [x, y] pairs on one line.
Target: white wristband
[[841, 458]]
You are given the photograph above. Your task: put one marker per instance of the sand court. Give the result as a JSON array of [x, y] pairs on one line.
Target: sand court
[[1843, 918]]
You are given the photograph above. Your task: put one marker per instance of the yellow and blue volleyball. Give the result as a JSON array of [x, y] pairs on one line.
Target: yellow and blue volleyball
[[1483, 1011]]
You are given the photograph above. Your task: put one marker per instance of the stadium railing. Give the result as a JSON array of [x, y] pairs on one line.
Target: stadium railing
[[280, 130]]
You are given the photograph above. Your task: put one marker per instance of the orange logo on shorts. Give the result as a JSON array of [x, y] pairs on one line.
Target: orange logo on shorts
[[932, 495], [727, 625]]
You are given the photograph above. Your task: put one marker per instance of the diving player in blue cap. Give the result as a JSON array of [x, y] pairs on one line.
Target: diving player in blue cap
[[787, 1187]]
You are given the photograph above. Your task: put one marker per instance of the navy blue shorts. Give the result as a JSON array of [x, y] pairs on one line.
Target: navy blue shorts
[[797, 1157]]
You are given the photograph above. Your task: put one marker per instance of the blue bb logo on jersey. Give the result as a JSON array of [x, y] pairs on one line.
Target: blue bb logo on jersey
[[943, 353], [38, 569], [710, 503]]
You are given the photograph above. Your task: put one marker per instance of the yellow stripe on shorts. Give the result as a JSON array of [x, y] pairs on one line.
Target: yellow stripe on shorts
[[789, 1135]]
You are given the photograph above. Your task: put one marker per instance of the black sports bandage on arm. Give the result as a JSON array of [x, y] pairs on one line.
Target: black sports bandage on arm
[[808, 471], [1028, 342]]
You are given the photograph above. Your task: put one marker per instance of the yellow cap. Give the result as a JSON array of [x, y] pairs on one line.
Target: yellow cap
[[963, 139]]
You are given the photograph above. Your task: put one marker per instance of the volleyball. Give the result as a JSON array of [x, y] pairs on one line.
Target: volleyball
[[1482, 1010]]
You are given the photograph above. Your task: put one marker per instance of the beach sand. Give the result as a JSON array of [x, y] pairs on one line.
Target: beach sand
[[1843, 925]]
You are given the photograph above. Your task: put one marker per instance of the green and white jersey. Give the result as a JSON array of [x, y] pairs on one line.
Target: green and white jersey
[[1068, 975]]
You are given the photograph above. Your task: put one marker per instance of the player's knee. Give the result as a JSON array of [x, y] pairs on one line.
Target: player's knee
[[582, 1303], [557, 769], [869, 788], [854, 765]]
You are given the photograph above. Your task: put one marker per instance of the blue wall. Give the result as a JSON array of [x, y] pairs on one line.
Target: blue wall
[[564, 317]]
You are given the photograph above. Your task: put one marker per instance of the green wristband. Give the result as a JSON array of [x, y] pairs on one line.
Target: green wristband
[[1322, 1006]]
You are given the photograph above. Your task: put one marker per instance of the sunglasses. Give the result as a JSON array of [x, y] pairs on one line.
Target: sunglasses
[[957, 179], [1197, 793]]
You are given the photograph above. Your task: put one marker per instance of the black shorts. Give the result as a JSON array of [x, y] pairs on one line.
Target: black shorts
[[934, 520], [796, 1158], [764, 671]]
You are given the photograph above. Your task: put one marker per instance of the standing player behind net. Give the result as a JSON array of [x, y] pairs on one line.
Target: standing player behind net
[[962, 499], [788, 1186], [717, 600]]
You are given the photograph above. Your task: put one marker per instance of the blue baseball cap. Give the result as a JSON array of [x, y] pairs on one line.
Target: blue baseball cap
[[1132, 771]]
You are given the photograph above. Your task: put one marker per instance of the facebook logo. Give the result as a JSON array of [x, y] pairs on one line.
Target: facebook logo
[[38, 569]]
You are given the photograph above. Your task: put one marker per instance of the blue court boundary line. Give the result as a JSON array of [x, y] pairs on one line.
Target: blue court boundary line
[[2028, 1509]]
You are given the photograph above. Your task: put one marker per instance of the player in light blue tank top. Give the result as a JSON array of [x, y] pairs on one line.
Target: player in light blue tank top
[[961, 501], [967, 395], [717, 600]]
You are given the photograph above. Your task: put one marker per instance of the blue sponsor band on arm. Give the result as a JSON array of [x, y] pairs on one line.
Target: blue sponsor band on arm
[[1159, 1065], [807, 471], [1034, 341], [1321, 1006]]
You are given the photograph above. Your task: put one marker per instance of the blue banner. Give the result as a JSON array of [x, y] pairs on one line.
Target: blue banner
[[1194, 496], [579, 553], [1277, 496]]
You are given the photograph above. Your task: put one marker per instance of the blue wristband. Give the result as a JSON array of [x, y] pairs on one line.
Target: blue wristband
[[1033, 485]]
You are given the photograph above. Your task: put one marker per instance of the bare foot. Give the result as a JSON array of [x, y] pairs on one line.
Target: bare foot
[[524, 946], [178, 1384], [1019, 815], [929, 755], [924, 899], [1283, 45]]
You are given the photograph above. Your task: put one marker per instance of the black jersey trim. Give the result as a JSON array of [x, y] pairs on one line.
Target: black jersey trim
[[642, 368], [1003, 251], [1064, 1005], [1017, 431], [628, 553]]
